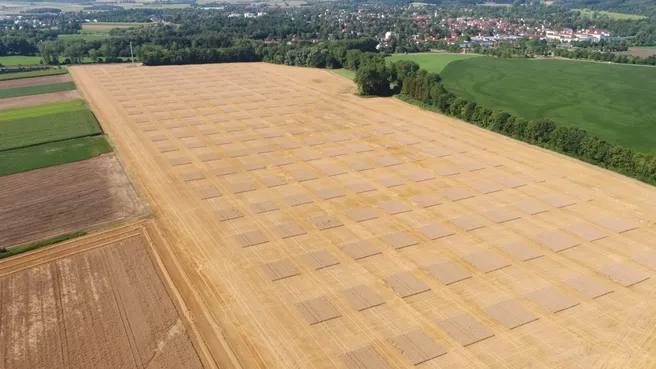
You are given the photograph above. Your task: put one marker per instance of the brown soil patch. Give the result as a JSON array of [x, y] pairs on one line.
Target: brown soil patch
[[263, 304], [34, 81], [34, 100], [67, 198], [96, 302], [643, 53]]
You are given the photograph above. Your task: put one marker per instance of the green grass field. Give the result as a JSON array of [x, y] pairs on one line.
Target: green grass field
[[36, 90], [36, 130], [40, 110], [345, 73], [646, 47], [30, 74], [54, 153], [95, 36], [19, 60], [432, 62], [612, 102], [620, 16]]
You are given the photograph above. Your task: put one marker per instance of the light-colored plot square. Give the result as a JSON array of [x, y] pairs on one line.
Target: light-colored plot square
[[289, 144], [448, 272], [224, 170], [307, 155], [394, 207], [588, 286], [290, 229], [647, 258], [406, 284], [320, 259], [484, 186], [511, 181], [361, 214], [336, 137], [531, 207], [435, 231], [241, 187], [471, 166], [235, 153], [313, 141], [557, 200], [253, 165], [251, 238], [399, 240], [521, 251], [208, 193], [362, 297], [361, 187], [456, 194], [486, 261], [325, 222], [179, 161], [360, 249], [273, 181], [387, 161], [337, 151], [425, 201], [222, 141], [554, 240], [510, 313], [279, 270], [297, 200], [360, 147], [195, 144], [331, 169], [623, 273], [209, 156], [330, 193], [552, 299], [303, 175], [500, 215], [264, 206], [359, 165], [392, 181], [614, 224], [468, 222], [167, 148], [156, 138], [193, 176], [317, 310], [420, 176], [364, 358], [446, 170], [585, 231], [465, 330], [181, 133], [227, 214], [417, 347]]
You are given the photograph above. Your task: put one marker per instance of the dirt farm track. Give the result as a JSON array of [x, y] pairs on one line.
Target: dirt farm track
[[308, 228]]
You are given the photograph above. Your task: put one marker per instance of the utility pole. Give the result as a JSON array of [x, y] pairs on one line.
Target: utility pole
[[131, 53]]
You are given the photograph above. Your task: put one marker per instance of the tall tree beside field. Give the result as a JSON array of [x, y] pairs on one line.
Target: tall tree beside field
[[49, 51], [373, 79]]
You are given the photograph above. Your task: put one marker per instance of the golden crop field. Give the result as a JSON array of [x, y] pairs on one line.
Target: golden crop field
[[309, 228]]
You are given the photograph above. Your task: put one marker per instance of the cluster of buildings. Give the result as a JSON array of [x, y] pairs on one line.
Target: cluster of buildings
[[246, 15], [586, 35]]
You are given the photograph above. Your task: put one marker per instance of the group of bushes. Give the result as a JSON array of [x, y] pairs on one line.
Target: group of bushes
[[424, 89]]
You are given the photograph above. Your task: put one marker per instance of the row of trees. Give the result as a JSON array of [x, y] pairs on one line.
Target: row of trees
[[425, 89]]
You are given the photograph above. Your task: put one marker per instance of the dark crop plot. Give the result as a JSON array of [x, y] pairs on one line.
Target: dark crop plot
[[36, 90]]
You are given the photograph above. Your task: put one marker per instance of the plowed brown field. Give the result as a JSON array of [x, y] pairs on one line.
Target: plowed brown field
[[34, 81], [96, 302], [316, 229], [43, 203], [41, 99]]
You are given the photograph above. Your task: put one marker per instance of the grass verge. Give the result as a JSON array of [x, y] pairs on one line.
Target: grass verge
[[31, 131], [344, 73], [36, 90], [54, 153], [5, 253], [30, 74]]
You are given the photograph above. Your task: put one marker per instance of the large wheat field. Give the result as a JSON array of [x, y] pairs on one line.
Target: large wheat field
[[309, 228]]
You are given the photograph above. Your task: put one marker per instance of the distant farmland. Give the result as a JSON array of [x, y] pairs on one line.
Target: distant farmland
[[613, 102], [432, 62]]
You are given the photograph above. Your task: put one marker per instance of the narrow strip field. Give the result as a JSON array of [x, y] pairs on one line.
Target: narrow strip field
[[36, 90], [34, 81], [35, 100], [31, 74], [36, 111]]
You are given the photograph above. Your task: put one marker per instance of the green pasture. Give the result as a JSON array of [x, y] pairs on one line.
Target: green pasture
[[350, 74], [619, 16], [30, 74], [50, 154], [19, 60], [42, 110], [610, 101], [36, 90], [432, 62]]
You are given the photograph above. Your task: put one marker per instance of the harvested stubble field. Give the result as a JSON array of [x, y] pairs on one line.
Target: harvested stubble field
[[34, 81], [96, 302], [322, 230], [67, 198]]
